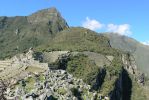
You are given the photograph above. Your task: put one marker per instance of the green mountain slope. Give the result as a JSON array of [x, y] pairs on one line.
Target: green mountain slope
[[79, 39], [20, 33], [94, 58], [139, 51]]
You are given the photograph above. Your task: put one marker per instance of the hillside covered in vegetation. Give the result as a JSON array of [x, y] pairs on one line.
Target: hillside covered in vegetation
[[66, 62]]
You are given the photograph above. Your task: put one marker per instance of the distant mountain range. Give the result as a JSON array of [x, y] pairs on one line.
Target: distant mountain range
[[138, 50]]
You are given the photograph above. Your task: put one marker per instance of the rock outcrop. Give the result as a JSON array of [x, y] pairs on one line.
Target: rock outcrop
[[56, 83], [130, 65]]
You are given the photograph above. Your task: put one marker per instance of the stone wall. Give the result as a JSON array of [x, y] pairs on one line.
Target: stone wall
[[18, 64]]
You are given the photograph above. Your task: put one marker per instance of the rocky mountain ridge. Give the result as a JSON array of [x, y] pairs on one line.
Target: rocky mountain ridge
[[67, 62]]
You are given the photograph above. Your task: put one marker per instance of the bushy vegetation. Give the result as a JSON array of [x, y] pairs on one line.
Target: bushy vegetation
[[76, 93], [62, 91], [113, 73], [81, 67], [138, 92]]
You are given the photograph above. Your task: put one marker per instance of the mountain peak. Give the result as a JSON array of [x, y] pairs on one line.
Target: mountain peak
[[44, 16], [51, 10]]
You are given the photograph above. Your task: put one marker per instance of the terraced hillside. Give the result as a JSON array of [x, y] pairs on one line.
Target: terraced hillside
[[20, 65], [79, 39]]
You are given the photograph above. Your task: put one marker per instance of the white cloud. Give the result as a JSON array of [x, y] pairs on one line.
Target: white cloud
[[123, 29], [146, 43], [92, 24]]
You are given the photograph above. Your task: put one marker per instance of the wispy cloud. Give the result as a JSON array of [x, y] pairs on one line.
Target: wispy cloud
[[146, 43], [123, 29], [92, 24]]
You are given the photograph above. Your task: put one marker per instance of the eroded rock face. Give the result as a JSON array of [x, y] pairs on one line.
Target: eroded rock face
[[131, 67], [129, 64], [141, 78]]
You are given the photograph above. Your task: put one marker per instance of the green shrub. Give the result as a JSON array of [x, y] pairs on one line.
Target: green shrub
[[82, 67]]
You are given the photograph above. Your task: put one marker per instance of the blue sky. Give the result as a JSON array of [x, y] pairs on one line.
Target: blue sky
[[129, 17]]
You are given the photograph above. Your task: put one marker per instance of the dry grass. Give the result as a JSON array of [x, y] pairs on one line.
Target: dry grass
[[34, 69]]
